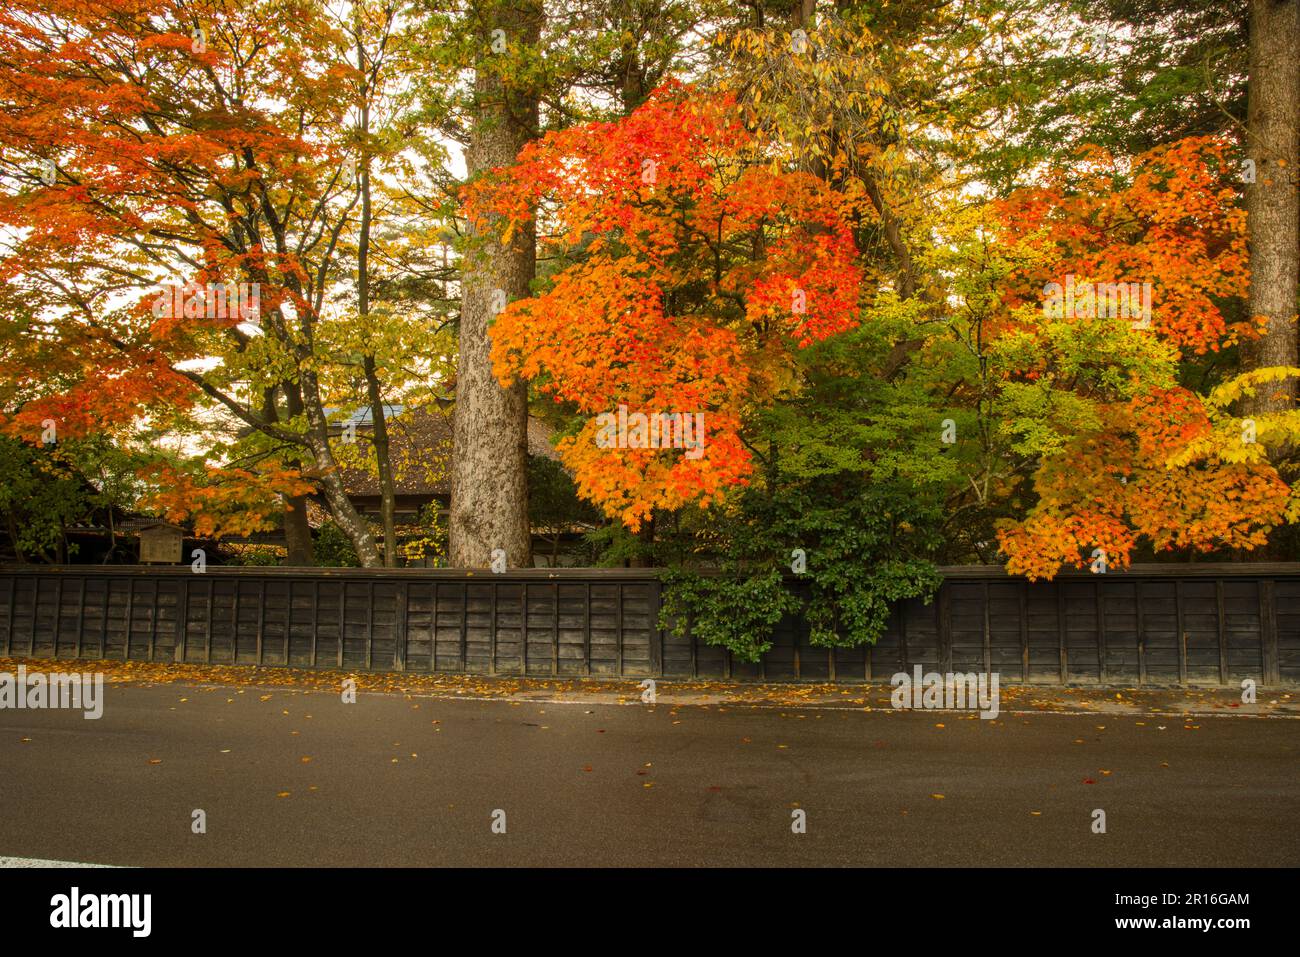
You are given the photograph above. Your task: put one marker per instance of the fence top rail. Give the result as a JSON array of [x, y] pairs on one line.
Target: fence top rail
[[1142, 570], [402, 574], [951, 572]]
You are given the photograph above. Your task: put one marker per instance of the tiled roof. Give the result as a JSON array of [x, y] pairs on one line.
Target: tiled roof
[[420, 444]]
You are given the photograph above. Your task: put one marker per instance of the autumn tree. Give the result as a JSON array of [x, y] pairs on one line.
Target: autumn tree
[[1095, 392], [193, 145], [693, 268]]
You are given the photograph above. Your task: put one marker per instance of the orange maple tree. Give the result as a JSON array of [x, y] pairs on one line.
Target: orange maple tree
[[1172, 221], [158, 144], [691, 268], [1169, 217]]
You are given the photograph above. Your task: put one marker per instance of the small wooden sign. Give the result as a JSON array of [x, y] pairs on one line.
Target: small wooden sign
[[161, 544]]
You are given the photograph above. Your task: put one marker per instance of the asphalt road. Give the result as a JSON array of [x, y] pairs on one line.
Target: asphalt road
[[300, 778]]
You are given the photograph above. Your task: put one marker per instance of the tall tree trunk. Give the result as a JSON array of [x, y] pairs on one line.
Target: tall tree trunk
[[1272, 201], [384, 462], [489, 484]]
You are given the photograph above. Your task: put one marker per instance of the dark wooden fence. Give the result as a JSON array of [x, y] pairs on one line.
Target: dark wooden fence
[[1154, 624]]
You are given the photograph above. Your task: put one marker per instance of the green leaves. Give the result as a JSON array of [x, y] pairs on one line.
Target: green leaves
[[846, 521]]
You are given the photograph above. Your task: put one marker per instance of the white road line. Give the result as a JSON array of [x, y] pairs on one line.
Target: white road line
[[37, 862]]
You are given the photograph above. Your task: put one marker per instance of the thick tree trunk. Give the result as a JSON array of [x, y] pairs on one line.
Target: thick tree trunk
[[489, 486], [297, 533], [1272, 201]]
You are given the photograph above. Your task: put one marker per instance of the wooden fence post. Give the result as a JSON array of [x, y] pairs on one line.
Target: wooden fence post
[[1268, 634], [555, 634], [1100, 613], [1182, 634], [182, 619], [1060, 631], [586, 629], [945, 629], [618, 629], [58, 614], [523, 626], [656, 630], [1223, 635], [492, 625], [130, 618], [399, 628], [1022, 593], [9, 618]]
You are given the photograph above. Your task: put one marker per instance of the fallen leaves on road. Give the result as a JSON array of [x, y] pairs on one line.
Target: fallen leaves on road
[[1187, 702]]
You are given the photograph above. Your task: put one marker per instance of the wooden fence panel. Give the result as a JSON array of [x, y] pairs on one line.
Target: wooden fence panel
[[1284, 631], [1201, 625]]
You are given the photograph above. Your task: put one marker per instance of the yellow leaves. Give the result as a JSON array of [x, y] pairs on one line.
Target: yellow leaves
[[1245, 384], [1292, 509], [1242, 439]]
